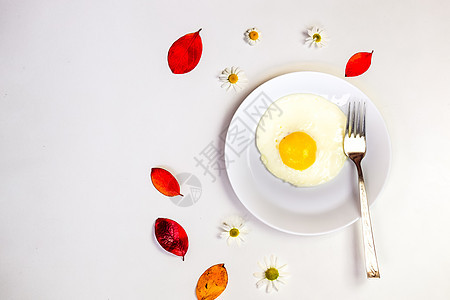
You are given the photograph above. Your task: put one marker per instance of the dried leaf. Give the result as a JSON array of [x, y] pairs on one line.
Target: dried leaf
[[212, 283], [358, 64], [165, 182], [171, 236], [185, 53]]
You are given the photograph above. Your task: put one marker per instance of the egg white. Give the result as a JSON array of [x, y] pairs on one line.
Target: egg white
[[314, 115]]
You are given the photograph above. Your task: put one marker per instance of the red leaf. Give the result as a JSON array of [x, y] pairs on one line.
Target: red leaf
[[185, 53], [165, 182], [358, 64], [171, 236]]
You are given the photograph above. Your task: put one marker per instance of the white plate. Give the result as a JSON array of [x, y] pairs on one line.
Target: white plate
[[303, 211]]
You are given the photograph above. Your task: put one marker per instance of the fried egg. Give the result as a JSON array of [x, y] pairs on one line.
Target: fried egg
[[302, 143]]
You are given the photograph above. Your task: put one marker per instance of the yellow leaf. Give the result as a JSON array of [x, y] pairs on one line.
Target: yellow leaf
[[212, 283]]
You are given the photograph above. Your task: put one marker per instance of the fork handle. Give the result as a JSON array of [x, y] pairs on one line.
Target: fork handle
[[369, 245]]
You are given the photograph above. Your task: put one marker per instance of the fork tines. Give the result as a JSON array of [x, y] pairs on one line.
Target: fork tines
[[356, 119]]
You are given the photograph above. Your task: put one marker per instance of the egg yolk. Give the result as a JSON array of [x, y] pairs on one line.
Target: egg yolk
[[298, 150]]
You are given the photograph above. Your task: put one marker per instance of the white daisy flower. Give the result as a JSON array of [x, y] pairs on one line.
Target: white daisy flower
[[234, 230], [233, 77], [252, 36], [317, 37], [272, 274]]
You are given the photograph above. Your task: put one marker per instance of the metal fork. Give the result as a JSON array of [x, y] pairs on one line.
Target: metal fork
[[355, 149]]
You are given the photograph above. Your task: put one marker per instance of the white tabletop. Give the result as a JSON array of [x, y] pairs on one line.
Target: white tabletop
[[88, 105]]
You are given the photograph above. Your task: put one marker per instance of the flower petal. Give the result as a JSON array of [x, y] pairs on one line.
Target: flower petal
[[243, 78], [266, 262], [275, 285], [244, 230], [225, 226], [261, 282], [241, 238], [273, 261], [281, 281], [269, 286]]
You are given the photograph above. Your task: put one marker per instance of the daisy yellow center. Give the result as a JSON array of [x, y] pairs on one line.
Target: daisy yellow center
[[272, 274], [253, 35], [316, 37], [233, 78], [234, 232]]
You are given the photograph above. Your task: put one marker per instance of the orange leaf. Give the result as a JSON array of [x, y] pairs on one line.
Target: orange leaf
[[358, 64], [164, 182], [212, 283], [185, 53]]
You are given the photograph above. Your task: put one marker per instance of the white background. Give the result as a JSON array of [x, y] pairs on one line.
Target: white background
[[88, 106]]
